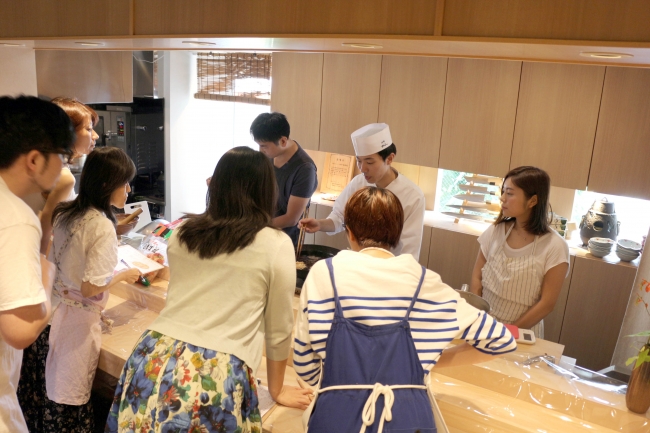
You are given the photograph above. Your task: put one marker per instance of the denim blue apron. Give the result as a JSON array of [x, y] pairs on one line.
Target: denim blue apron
[[373, 380]]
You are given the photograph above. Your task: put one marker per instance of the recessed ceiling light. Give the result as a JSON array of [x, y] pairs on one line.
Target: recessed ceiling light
[[360, 45], [198, 43], [600, 55], [12, 45], [90, 44]]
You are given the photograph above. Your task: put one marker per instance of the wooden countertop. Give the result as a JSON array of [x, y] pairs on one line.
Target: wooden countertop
[[499, 395]]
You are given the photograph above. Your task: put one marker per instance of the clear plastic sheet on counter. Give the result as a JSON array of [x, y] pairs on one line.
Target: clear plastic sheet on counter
[[130, 320], [529, 392]]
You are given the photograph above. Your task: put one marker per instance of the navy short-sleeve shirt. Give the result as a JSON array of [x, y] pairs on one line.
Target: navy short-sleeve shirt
[[295, 178]]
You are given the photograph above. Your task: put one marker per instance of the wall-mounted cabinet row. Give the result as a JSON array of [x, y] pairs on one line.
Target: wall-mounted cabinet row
[[587, 126], [590, 308]]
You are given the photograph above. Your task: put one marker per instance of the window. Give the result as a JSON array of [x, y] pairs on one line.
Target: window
[[448, 186], [234, 77], [633, 213]]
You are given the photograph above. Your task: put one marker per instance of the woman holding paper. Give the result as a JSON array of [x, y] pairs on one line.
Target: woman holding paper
[[84, 251], [231, 290]]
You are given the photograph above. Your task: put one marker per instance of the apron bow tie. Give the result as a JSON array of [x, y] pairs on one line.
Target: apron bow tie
[[368, 414]]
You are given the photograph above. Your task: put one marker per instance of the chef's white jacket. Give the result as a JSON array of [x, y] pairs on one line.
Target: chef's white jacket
[[412, 200]]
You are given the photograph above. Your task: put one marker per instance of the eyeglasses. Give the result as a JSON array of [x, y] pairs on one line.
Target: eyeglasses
[[65, 157]]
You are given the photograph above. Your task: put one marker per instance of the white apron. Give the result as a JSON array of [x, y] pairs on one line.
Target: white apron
[[75, 339], [512, 285]]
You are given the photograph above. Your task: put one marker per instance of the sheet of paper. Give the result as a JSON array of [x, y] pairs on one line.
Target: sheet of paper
[[145, 216], [265, 401], [135, 259], [339, 171]]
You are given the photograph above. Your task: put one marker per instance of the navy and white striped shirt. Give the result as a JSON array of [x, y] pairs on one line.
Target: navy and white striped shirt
[[376, 291]]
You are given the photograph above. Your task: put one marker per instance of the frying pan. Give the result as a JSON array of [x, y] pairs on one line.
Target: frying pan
[[321, 251]]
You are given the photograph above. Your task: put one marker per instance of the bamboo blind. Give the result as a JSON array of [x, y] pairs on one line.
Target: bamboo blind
[[218, 76]]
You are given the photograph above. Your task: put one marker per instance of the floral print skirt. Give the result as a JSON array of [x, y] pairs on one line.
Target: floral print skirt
[[170, 386]]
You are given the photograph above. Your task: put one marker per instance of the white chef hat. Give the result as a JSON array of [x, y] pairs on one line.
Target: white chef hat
[[371, 139]]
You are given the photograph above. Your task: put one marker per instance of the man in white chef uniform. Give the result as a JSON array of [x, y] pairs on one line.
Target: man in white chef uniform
[[375, 152]]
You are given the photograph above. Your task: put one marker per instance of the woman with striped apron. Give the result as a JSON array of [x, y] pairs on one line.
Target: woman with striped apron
[[520, 279], [511, 285], [381, 388]]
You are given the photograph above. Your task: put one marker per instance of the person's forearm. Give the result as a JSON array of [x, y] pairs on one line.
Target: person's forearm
[[462, 354], [476, 285], [284, 221], [46, 227], [534, 315], [275, 375], [22, 326], [327, 225], [88, 290]]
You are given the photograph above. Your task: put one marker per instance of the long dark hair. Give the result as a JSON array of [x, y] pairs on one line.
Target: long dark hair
[[105, 170], [533, 181], [240, 202]]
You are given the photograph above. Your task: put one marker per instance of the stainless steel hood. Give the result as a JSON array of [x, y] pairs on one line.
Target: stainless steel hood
[[95, 77]]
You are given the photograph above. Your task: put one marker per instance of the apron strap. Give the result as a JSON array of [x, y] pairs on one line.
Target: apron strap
[[415, 296], [338, 311]]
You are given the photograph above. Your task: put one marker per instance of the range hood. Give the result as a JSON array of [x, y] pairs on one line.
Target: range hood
[[96, 77]]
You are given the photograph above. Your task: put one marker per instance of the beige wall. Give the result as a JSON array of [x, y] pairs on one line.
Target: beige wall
[[18, 71]]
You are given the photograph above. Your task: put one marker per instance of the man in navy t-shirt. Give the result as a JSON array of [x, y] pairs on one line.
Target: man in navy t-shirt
[[295, 171]]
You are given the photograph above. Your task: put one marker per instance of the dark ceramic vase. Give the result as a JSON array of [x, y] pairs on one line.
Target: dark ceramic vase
[[637, 397], [599, 221]]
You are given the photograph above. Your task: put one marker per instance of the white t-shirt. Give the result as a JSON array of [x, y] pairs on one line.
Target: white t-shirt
[[376, 291], [412, 199], [20, 285], [551, 249], [233, 303]]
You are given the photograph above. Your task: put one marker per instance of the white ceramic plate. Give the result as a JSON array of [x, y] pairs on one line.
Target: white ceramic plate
[[603, 241]]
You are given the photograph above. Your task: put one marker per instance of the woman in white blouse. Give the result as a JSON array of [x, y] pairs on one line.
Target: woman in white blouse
[[85, 253], [230, 293], [522, 263]]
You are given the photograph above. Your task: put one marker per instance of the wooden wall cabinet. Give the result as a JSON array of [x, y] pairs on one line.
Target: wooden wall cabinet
[[452, 255], [296, 92], [479, 116], [350, 98], [44, 18], [621, 157], [411, 101], [556, 121], [594, 310]]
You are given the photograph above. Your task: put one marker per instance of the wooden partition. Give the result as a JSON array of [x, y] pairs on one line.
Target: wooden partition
[[479, 115], [296, 90], [350, 98]]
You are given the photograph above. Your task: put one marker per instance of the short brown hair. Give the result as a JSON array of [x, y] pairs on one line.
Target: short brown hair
[[533, 181], [375, 217], [78, 112]]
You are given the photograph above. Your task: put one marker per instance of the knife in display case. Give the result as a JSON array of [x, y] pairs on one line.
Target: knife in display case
[[485, 180], [477, 189]]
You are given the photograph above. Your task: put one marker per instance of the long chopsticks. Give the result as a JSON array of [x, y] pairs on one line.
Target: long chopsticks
[[301, 236]]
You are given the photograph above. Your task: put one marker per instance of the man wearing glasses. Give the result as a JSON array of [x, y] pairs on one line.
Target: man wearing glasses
[[35, 141]]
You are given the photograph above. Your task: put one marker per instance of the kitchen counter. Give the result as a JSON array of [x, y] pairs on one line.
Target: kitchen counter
[[499, 395]]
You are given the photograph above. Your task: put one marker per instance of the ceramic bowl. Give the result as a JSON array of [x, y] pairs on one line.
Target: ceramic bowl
[[602, 241], [598, 253], [629, 245], [626, 257]]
